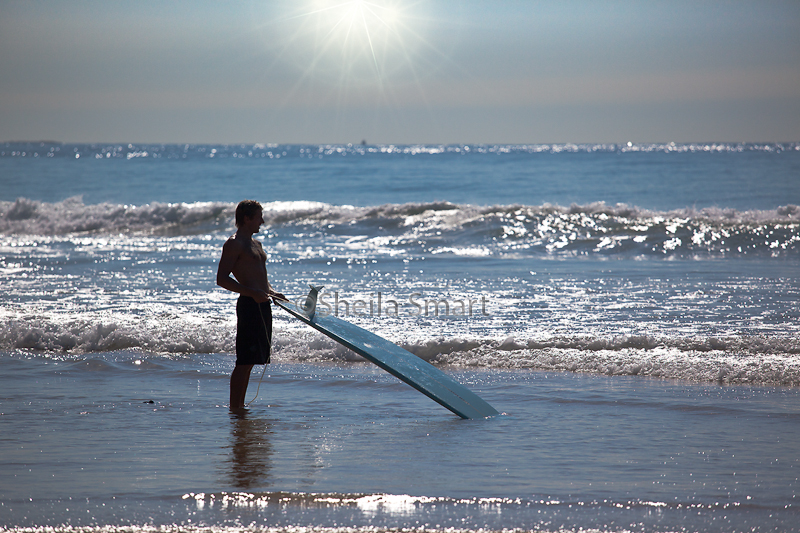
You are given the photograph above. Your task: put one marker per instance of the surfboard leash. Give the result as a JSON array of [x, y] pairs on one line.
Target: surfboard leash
[[263, 323]]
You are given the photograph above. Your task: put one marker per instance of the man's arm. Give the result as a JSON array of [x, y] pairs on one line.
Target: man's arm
[[230, 254]]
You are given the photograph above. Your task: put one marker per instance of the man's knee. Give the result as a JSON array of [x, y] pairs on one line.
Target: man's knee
[[241, 373]]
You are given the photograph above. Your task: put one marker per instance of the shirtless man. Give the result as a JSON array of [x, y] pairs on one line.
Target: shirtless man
[[244, 257]]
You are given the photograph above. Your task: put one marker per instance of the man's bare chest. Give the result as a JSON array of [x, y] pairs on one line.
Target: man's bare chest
[[253, 254]]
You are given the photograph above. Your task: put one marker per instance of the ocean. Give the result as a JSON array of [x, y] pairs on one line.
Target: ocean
[[632, 310]]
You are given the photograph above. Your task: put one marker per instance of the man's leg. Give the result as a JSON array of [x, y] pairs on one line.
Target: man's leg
[[239, 380]]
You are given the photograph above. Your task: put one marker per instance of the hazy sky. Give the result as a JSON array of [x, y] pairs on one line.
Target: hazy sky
[[438, 71]]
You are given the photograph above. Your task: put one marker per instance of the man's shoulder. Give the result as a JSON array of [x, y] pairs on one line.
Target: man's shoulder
[[234, 243], [237, 243]]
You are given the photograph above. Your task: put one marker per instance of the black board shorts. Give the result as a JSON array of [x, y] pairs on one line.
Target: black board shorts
[[253, 332]]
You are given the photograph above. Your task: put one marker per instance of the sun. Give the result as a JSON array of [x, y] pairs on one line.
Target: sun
[[343, 55], [362, 41], [357, 19], [359, 35]]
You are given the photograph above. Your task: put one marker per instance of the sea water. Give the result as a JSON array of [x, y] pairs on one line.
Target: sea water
[[632, 310]]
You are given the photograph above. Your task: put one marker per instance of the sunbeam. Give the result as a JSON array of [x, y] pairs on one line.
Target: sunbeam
[[354, 44], [362, 32]]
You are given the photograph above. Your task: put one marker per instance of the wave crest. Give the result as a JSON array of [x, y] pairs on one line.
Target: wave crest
[[443, 227], [31, 217]]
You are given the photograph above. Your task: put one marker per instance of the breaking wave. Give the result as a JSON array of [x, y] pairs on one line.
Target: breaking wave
[[31, 217], [443, 227], [731, 360]]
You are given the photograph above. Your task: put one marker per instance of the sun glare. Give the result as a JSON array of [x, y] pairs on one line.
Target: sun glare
[[359, 23], [362, 40]]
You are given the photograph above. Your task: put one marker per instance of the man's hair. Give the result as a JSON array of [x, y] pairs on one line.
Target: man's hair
[[247, 208]]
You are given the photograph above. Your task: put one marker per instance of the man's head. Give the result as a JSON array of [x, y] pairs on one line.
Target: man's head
[[247, 208]]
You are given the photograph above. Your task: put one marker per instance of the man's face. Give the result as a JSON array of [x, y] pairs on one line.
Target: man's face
[[253, 223]]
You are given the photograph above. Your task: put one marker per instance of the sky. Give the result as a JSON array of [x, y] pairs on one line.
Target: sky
[[389, 72]]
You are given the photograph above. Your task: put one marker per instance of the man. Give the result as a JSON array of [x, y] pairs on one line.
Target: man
[[244, 257]]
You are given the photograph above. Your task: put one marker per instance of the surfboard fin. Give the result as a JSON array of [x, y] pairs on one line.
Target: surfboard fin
[[310, 306]]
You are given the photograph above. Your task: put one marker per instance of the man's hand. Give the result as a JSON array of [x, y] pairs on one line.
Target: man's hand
[[278, 296], [258, 295]]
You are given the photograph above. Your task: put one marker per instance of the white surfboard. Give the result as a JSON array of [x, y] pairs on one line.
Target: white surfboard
[[401, 363]]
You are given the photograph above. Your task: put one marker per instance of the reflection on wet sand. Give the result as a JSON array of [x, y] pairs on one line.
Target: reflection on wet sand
[[250, 451]]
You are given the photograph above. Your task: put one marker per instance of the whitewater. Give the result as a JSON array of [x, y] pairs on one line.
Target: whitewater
[[112, 261]]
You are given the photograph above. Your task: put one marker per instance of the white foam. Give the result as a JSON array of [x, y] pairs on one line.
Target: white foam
[[103, 332], [735, 360], [732, 360], [462, 230]]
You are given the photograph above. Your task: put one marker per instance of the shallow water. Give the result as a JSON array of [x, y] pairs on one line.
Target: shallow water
[[335, 444]]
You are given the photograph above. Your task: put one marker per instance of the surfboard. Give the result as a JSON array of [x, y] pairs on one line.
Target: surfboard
[[401, 363]]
